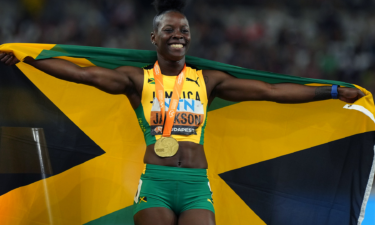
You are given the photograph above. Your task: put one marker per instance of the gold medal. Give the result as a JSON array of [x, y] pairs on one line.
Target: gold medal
[[166, 147]]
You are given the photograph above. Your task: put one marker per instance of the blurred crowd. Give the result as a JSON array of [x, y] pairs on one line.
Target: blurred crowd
[[312, 38]]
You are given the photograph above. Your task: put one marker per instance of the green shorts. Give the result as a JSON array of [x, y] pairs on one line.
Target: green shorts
[[178, 189]]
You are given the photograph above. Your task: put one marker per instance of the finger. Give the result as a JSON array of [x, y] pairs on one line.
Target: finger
[[5, 58], [10, 59], [15, 61], [2, 55]]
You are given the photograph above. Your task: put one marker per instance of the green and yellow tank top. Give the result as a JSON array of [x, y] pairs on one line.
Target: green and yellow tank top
[[191, 116]]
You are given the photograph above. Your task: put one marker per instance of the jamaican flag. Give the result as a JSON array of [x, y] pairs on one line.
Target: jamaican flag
[[71, 154]]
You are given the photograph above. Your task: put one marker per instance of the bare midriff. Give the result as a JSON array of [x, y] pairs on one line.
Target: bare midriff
[[189, 155]]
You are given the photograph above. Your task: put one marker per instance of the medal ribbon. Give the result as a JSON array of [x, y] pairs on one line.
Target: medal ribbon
[[171, 114]]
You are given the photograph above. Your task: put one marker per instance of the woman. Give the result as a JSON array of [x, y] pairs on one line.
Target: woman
[[170, 100]]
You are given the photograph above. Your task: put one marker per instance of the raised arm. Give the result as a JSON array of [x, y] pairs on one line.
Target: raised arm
[[111, 81], [230, 88]]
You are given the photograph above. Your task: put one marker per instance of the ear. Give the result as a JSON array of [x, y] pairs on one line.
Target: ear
[[153, 41]]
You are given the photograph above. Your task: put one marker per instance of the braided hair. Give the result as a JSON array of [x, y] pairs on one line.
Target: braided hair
[[164, 6]]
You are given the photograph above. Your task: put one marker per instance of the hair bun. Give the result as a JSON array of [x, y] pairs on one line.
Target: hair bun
[[162, 6]]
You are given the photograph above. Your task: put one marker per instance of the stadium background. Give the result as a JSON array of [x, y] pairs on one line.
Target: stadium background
[[312, 38]]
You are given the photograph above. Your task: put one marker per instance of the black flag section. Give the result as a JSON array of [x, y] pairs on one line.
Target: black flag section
[[322, 185], [24, 105]]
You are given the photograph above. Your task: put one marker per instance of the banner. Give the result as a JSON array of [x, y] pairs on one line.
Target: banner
[[269, 163]]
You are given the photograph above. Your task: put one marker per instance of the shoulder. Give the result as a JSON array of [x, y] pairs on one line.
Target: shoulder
[[214, 73], [215, 76], [192, 67], [212, 79]]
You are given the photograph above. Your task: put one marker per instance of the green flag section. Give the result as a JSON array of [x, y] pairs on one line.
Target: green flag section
[[269, 163]]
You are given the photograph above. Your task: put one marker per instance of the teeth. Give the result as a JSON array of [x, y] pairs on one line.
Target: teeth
[[177, 45]]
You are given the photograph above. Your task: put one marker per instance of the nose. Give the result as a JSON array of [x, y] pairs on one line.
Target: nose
[[178, 35]]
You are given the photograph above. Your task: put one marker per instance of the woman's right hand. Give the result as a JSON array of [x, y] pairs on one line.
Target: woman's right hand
[[8, 58]]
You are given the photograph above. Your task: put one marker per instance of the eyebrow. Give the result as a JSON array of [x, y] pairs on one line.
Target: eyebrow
[[172, 25]]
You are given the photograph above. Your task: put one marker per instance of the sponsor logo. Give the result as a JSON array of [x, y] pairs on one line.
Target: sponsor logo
[[195, 81], [188, 117], [183, 105]]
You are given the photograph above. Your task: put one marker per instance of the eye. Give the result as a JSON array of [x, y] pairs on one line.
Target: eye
[[168, 29], [185, 31]]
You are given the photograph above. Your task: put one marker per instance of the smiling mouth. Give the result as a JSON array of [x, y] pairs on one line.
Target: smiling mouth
[[177, 46]]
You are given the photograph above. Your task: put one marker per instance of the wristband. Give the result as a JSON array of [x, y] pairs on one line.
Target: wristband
[[334, 92]]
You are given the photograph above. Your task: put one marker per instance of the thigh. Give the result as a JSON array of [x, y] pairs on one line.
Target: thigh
[[155, 216], [197, 217]]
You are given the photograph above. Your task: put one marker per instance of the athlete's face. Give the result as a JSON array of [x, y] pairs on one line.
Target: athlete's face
[[172, 37]]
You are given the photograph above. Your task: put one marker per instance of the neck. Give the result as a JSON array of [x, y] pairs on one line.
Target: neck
[[170, 68]]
